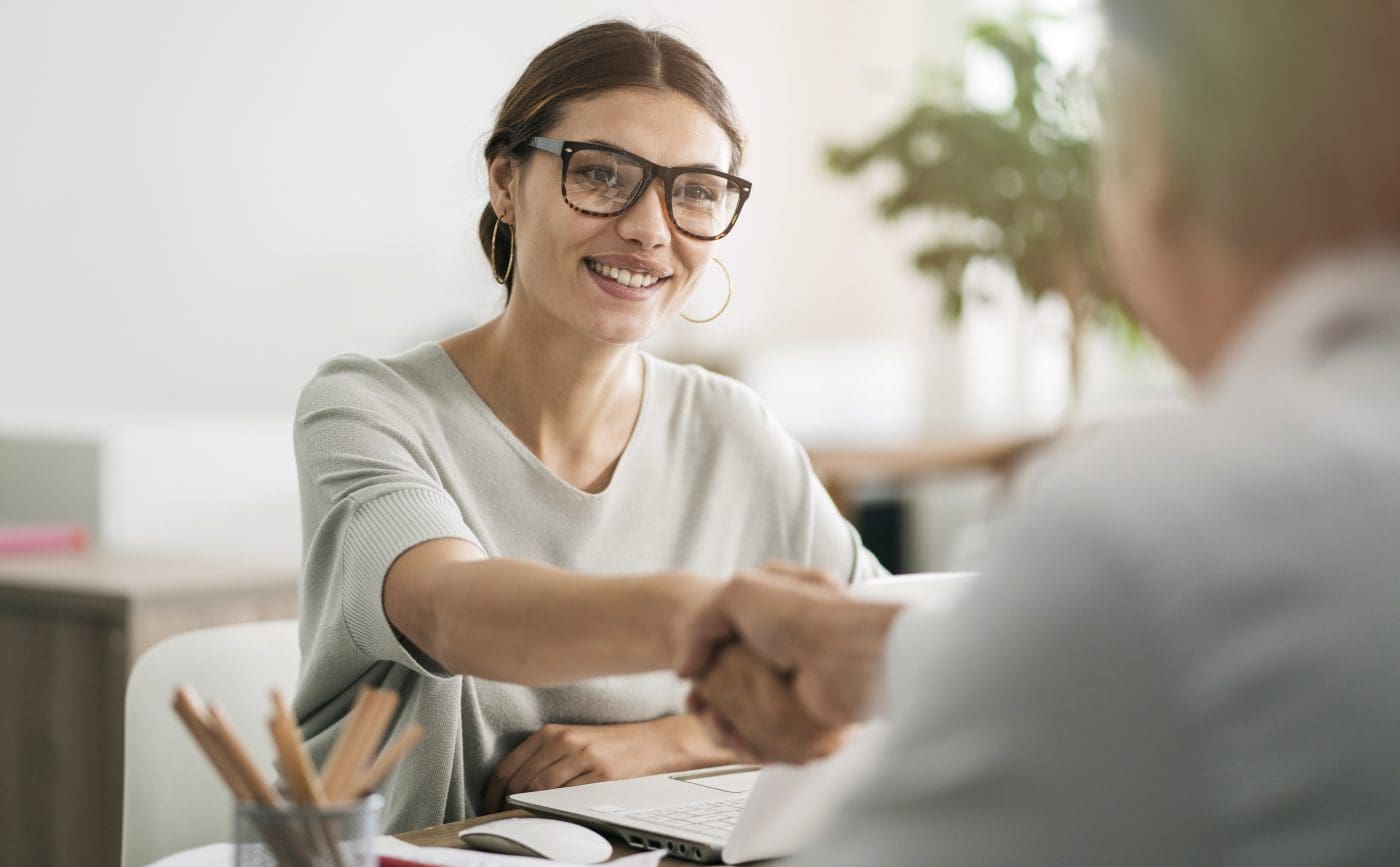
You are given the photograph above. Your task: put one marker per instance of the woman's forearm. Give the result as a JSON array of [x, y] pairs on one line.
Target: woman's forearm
[[528, 623]]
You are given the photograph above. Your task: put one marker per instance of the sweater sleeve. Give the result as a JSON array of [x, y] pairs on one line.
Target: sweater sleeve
[[369, 493]]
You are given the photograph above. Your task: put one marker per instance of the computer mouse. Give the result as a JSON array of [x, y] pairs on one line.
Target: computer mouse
[[541, 838]]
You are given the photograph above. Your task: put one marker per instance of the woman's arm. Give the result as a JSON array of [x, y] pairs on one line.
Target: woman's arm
[[531, 624]]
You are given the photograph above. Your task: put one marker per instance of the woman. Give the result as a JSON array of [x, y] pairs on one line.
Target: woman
[[536, 504]]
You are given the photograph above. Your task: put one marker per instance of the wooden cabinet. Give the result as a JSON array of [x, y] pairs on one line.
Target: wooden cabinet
[[71, 626]]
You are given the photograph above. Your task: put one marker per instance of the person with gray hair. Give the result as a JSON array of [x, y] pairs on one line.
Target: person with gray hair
[[1186, 647]]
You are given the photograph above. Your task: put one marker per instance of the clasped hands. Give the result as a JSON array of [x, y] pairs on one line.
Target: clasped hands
[[783, 663]]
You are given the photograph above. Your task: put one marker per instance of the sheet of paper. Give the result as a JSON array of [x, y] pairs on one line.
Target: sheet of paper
[[221, 855], [443, 857]]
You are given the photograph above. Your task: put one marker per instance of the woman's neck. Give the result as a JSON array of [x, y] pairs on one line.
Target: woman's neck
[[570, 400]]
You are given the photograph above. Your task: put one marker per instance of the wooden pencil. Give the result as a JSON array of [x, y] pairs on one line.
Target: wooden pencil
[[334, 770], [375, 731], [191, 711], [288, 848], [301, 777], [352, 769], [362, 741], [296, 763], [223, 728], [391, 756]]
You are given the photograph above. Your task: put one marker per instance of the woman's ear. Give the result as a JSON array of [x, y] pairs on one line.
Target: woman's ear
[[503, 174]]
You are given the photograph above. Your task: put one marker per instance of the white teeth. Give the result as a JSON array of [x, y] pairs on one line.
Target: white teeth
[[623, 276]]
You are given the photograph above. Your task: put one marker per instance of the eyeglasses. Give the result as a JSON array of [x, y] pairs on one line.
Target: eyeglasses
[[604, 181]]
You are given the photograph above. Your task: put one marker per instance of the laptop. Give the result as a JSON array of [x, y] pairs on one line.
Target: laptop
[[740, 813]]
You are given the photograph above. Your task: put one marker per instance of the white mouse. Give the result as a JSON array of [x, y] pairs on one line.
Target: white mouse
[[542, 838]]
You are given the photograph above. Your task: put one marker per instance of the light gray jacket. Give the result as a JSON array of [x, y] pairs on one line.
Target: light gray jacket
[[1187, 650]]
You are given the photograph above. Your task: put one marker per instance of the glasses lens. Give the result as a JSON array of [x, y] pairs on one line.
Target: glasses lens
[[704, 203], [601, 181]]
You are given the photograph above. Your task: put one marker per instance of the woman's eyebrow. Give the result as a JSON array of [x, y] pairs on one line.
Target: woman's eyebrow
[[615, 146]]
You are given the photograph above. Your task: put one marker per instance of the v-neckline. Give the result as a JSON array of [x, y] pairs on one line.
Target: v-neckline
[[532, 459]]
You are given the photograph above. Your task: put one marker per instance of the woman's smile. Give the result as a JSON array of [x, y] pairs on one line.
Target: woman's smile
[[627, 277]]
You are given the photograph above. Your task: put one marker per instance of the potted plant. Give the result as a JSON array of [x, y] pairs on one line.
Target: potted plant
[[1018, 181]]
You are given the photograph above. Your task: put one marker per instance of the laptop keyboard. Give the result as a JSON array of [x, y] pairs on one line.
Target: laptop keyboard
[[713, 818]]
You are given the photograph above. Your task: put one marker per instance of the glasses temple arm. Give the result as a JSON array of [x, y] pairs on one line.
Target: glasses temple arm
[[552, 145]]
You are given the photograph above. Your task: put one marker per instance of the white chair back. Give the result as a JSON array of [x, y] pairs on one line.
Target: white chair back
[[173, 799]]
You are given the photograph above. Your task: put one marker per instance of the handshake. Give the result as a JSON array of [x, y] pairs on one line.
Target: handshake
[[783, 662]]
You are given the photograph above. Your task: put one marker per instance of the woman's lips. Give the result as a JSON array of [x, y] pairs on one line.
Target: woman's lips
[[618, 290]]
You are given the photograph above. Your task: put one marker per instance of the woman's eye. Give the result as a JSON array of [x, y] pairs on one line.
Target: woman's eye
[[694, 193], [599, 175]]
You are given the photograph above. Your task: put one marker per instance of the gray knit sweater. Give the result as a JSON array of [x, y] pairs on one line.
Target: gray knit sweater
[[397, 451]]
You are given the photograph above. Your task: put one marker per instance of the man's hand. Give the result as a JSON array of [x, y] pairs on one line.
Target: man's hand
[[571, 755], [828, 647], [752, 710]]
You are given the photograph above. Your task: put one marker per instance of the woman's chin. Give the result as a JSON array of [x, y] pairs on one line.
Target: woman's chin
[[623, 330], [623, 321]]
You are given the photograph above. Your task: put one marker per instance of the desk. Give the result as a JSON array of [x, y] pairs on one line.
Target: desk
[[446, 835], [71, 626], [844, 470]]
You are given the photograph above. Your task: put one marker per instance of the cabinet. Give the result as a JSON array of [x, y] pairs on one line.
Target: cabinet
[[71, 626]]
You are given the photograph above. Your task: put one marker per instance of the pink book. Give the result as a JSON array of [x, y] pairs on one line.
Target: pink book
[[42, 538]]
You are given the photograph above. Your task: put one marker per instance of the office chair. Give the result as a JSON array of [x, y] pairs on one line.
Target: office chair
[[173, 799]]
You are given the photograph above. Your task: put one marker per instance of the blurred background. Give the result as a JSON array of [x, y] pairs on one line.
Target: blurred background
[[201, 202]]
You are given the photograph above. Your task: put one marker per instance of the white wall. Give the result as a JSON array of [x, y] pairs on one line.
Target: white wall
[[200, 201]]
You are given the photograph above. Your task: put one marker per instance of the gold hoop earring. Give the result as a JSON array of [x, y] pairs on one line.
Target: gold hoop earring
[[510, 262], [729, 294]]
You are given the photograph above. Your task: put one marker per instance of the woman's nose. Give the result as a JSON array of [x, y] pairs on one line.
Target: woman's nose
[[646, 222]]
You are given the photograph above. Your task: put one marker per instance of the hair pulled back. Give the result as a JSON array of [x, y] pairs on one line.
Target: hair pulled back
[[586, 63]]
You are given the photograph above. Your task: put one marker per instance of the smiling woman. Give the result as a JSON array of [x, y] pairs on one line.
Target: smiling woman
[[601, 205], [512, 525]]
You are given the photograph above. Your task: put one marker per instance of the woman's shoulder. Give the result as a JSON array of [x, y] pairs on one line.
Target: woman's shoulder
[[693, 388], [357, 380], [703, 404]]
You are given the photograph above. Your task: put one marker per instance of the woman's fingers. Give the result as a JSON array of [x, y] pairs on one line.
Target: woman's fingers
[[506, 770], [756, 712], [540, 767]]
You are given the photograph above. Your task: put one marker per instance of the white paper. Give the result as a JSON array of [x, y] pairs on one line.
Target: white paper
[[213, 855], [221, 855], [446, 857]]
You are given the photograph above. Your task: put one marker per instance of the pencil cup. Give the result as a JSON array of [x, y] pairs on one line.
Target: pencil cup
[[306, 836]]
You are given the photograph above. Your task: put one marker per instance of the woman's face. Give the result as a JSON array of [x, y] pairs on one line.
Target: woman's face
[[559, 251]]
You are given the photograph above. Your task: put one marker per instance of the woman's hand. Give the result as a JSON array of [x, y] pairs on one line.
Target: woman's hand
[[571, 755], [756, 712]]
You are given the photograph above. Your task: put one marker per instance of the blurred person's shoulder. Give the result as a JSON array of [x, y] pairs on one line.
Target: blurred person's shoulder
[[1105, 480], [1218, 487]]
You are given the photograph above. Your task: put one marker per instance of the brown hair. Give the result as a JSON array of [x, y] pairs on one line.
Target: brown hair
[[588, 62], [1282, 119]]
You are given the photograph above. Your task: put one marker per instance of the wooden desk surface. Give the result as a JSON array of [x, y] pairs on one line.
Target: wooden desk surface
[[911, 460], [843, 470], [446, 835]]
